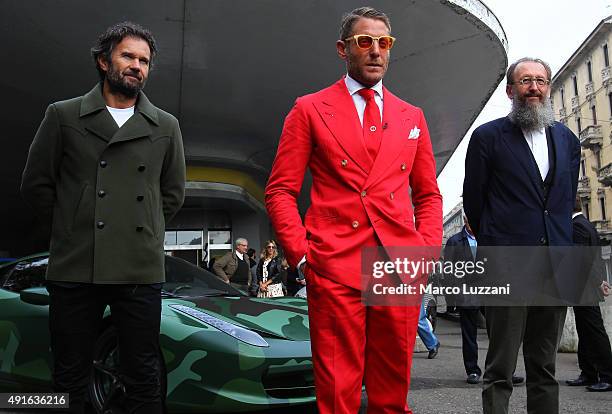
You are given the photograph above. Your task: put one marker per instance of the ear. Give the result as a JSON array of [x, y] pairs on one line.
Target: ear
[[341, 49], [102, 63], [509, 91]]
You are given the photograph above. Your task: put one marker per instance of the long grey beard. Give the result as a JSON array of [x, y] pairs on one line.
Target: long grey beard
[[532, 117]]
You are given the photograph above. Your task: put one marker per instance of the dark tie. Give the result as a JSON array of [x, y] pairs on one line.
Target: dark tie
[[372, 130]]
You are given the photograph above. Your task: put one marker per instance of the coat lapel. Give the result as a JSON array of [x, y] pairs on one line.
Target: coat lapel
[[96, 119], [395, 135], [338, 112], [516, 143], [138, 124], [100, 122]]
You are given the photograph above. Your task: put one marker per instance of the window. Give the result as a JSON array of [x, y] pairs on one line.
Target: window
[[594, 114], [562, 97], [575, 81], [585, 209], [590, 71], [597, 155], [583, 167], [602, 205], [610, 102], [579, 125], [605, 56]]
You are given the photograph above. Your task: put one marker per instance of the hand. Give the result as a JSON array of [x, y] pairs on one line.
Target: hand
[[605, 288], [301, 281]]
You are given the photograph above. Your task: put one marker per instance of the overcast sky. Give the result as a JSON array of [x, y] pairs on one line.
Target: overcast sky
[[550, 30]]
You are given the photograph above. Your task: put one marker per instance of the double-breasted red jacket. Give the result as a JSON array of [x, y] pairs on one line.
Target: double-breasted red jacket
[[355, 202]]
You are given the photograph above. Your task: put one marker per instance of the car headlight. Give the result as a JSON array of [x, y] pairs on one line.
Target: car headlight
[[238, 332]]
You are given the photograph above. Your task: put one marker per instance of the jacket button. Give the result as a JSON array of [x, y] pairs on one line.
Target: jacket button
[[100, 225], [139, 198], [355, 224], [392, 196], [546, 212], [141, 168], [101, 193], [403, 167], [103, 164], [344, 163], [542, 240], [363, 193], [139, 229]]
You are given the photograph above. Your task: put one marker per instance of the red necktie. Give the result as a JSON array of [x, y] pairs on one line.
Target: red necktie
[[372, 129]]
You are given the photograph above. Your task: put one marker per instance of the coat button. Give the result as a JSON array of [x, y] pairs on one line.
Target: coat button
[[103, 164], [546, 212], [101, 193], [141, 167], [139, 198], [355, 224], [100, 225], [542, 240], [344, 163], [392, 196], [403, 167], [363, 193], [139, 229]]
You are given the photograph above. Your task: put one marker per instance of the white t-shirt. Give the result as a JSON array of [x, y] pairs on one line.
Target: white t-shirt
[[121, 115]]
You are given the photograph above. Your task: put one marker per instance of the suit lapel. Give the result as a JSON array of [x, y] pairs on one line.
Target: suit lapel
[[338, 112], [394, 136], [516, 143]]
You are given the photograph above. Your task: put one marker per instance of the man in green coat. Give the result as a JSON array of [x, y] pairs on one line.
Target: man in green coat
[[108, 170]]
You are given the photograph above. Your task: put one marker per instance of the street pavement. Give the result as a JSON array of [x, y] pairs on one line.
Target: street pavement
[[438, 385]]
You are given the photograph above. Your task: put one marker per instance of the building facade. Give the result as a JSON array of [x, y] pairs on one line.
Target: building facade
[[581, 94]]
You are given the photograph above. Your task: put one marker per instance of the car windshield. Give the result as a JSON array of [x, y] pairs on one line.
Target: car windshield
[[184, 279]]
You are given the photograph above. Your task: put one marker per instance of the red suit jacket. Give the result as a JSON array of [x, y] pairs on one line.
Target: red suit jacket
[[354, 202]]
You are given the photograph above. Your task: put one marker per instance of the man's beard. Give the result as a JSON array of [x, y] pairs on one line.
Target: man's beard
[[120, 85], [531, 116]]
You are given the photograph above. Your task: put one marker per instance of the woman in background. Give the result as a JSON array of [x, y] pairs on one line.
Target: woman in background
[[269, 272]]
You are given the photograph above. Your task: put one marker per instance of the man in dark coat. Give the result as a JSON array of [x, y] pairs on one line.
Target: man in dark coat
[[594, 354], [108, 170], [521, 175], [462, 247], [235, 266]]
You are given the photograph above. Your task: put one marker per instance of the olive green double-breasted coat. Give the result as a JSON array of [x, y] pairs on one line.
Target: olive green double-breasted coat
[[108, 191]]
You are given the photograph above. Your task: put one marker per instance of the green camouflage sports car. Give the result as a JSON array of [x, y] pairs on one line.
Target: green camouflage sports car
[[220, 350]]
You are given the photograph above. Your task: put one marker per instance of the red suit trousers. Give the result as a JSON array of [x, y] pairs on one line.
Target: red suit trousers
[[354, 344]]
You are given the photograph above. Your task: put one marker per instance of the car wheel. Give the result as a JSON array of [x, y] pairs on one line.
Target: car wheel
[[432, 314], [106, 387]]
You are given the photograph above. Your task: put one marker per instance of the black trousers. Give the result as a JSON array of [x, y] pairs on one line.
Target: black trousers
[[75, 315], [539, 329], [469, 330], [594, 354]]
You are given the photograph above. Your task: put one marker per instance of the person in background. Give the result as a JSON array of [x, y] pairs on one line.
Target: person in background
[[269, 272], [234, 267], [594, 354], [426, 333]]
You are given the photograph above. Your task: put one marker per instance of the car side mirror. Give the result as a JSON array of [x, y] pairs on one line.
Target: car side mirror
[[35, 296]]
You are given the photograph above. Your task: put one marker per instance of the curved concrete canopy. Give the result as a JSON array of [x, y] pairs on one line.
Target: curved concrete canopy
[[230, 71]]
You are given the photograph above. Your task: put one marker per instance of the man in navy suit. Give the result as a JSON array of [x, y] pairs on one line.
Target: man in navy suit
[[521, 174]]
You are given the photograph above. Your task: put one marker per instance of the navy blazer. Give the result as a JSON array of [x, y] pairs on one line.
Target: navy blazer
[[503, 193]]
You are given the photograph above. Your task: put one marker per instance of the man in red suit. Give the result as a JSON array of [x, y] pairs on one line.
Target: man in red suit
[[371, 161]]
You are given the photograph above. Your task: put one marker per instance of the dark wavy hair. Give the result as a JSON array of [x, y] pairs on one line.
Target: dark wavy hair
[[108, 40]]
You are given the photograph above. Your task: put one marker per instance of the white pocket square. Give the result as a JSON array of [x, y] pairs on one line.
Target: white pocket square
[[414, 133]]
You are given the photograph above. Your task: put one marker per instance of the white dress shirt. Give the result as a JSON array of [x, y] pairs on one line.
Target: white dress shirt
[[539, 148], [353, 87]]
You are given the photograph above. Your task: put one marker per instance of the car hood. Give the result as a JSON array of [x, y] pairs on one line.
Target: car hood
[[285, 318]]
